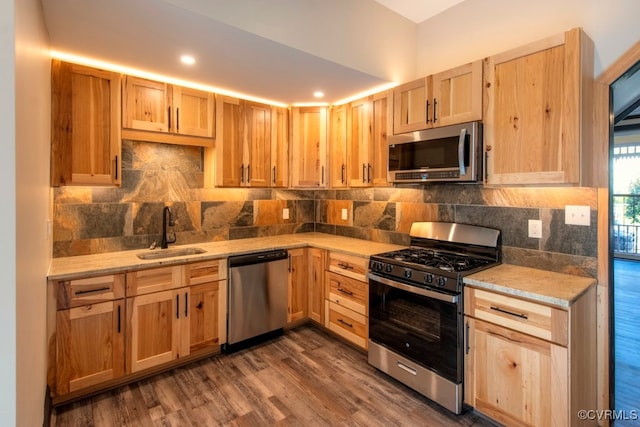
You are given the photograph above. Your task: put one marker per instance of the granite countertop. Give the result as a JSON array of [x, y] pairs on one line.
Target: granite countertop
[[117, 262], [538, 285]]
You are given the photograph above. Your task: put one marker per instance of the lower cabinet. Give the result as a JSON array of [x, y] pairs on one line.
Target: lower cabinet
[[316, 284], [298, 286], [520, 368]]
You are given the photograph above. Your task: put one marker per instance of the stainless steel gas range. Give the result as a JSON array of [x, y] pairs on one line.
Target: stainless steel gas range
[[415, 306]]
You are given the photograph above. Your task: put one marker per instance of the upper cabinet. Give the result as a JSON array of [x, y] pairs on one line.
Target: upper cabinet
[[359, 143], [537, 108], [279, 147], [309, 147], [338, 146], [160, 112], [85, 126], [446, 98], [382, 116]]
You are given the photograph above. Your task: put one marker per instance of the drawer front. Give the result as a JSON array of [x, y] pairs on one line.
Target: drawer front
[[205, 272], [153, 280], [347, 292], [348, 265], [531, 318], [347, 323], [92, 290]]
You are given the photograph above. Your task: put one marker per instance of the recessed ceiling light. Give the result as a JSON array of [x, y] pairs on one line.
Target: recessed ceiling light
[[187, 59], [318, 94]]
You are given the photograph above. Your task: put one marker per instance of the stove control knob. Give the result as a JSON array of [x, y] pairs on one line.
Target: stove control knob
[[379, 266], [428, 278], [389, 268], [407, 273], [442, 281]]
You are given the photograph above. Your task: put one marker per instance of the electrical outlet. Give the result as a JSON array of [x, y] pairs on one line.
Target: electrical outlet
[[285, 213], [577, 215], [345, 214], [535, 228]]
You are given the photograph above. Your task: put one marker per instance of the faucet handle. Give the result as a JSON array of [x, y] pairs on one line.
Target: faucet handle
[[153, 245], [173, 239]]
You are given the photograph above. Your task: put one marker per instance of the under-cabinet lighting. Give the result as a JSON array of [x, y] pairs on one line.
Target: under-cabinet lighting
[[95, 63], [310, 104], [367, 93]]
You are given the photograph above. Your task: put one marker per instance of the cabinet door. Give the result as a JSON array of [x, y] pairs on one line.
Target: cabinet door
[[514, 378], [298, 277], [230, 168], [204, 316], [316, 285], [194, 112], [257, 122], [309, 147], [457, 95], [90, 345], [279, 147], [85, 111], [145, 105], [156, 331], [382, 109], [409, 106], [338, 147], [535, 111], [359, 143]]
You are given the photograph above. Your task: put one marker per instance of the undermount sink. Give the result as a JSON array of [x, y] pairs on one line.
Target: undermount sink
[[169, 253]]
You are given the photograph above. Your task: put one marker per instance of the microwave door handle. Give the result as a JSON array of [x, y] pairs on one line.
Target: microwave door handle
[[463, 135]]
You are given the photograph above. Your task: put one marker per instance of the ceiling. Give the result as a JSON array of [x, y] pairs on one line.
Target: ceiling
[[150, 35]]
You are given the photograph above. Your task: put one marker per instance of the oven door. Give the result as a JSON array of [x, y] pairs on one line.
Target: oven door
[[422, 325]]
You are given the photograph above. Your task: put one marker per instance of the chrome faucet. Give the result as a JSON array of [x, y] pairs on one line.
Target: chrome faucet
[[165, 241]]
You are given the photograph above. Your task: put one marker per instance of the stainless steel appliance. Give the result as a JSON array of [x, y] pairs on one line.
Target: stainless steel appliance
[[257, 308], [448, 153], [415, 306]]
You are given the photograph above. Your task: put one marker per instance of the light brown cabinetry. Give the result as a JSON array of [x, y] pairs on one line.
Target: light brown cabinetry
[[87, 337], [279, 147], [161, 112], [360, 143], [528, 363], [449, 97], [382, 114], [85, 125], [346, 292], [338, 147], [316, 284], [298, 304], [537, 110], [309, 147]]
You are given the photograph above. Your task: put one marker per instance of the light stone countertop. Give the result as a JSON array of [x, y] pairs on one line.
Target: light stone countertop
[[538, 285], [67, 268]]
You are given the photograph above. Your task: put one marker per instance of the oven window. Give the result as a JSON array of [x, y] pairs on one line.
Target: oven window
[[422, 329]]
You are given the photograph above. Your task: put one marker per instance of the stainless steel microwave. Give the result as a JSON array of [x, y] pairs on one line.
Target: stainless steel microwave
[[448, 153]]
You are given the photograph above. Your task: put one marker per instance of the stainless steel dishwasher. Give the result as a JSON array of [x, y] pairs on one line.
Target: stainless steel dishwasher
[[257, 308]]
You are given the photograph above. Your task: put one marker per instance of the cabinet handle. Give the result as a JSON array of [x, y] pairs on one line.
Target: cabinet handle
[[248, 174], [344, 291], [116, 169], [177, 119], [345, 266], [426, 112], [177, 306], [242, 174], [274, 174], [522, 316], [322, 179], [467, 347], [345, 323], [342, 173], [186, 304], [369, 172], [90, 291], [119, 321], [486, 166], [434, 110], [364, 173], [290, 269], [169, 118]]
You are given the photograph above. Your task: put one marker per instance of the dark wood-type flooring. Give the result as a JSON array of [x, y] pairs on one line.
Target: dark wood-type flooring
[[304, 378], [626, 284]]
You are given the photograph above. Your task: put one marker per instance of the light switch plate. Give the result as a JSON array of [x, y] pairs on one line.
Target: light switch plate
[[535, 228], [577, 215], [285, 213], [345, 214]]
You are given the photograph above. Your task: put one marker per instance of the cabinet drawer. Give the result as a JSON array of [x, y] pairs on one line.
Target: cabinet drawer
[[348, 265], [524, 316], [205, 272], [346, 323], [79, 292], [347, 292], [153, 280]]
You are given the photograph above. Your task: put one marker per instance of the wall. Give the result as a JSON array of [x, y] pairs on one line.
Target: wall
[[33, 197], [7, 225]]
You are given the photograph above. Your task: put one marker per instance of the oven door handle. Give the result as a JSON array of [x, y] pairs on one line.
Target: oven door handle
[[463, 135], [453, 299]]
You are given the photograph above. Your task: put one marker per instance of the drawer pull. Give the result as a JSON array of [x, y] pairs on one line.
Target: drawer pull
[[345, 323], [90, 291], [522, 316], [345, 291], [406, 368], [345, 266]]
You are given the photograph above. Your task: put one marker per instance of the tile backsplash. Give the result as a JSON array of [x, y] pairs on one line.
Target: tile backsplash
[[89, 220]]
